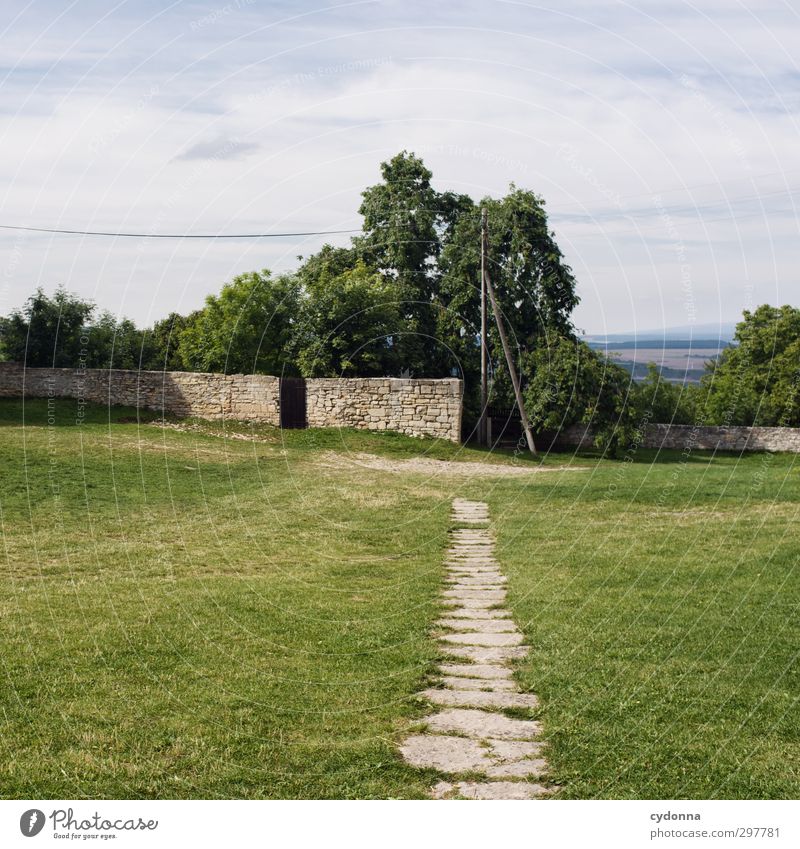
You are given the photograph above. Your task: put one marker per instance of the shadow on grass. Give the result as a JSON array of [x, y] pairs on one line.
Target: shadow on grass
[[68, 412]]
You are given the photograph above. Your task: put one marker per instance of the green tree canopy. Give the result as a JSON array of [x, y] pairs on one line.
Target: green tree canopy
[[757, 381], [668, 403], [48, 331], [535, 288], [116, 343], [247, 328], [348, 325], [162, 344], [572, 384], [405, 223]]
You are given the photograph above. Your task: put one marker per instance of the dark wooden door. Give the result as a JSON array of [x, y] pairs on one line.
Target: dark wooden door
[[293, 402]]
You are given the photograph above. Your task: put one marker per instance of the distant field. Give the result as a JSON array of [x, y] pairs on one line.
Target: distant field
[[679, 360]]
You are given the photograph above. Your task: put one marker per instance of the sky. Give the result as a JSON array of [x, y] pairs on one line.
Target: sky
[[663, 137]]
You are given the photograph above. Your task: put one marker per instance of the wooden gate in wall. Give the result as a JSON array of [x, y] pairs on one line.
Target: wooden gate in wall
[[293, 402]]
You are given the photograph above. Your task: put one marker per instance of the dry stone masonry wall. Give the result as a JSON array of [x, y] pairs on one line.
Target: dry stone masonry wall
[[698, 438], [209, 396], [414, 407]]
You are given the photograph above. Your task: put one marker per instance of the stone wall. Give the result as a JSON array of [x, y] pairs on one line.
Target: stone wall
[[699, 438], [209, 396], [416, 407]]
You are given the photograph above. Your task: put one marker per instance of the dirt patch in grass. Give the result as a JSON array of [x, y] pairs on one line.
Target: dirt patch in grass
[[429, 466]]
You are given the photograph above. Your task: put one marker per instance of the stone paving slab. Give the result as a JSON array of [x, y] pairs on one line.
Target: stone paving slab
[[486, 626], [493, 684], [473, 561], [459, 559], [474, 603], [474, 638], [473, 600], [481, 724], [497, 595], [462, 754], [476, 613], [472, 571], [467, 571], [489, 790], [483, 583], [487, 582], [469, 564], [448, 754], [486, 654], [519, 769], [476, 670], [480, 699], [513, 750]]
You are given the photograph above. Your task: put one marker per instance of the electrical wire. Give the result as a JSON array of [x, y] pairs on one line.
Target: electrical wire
[[173, 235]]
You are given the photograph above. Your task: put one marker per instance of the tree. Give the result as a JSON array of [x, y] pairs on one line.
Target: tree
[[115, 343], [572, 384], [535, 289], [247, 328], [405, 220], [757, 381], [668, 403], [348, 326], [162, 351], [48, 332]]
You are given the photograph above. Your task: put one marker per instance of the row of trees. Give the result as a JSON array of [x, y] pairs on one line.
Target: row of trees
[[403, 299]]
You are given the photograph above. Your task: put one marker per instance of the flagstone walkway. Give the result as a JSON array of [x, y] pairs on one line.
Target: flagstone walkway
[[484, 753]]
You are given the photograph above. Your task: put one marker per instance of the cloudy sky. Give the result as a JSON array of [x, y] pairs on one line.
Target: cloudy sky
[[663, 136]]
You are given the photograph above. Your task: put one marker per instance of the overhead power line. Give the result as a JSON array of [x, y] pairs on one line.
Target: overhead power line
[[593, 218], [174, 235]]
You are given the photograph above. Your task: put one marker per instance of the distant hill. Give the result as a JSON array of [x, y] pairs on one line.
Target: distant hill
[[660, 344], [680, 356], [716, 333]]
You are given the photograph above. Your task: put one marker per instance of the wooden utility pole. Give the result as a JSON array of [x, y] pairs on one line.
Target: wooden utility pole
[[483, 434], [509, 359]]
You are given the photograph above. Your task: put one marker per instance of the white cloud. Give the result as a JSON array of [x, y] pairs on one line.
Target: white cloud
[[207, 117]]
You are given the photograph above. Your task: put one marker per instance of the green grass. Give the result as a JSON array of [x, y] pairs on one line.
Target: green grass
[[183, 615], [187, 617], [661, 600]]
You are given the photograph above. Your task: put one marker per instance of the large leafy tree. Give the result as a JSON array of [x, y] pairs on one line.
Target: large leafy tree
[[757, 381], [665, 402], [48, 331], [116, 343], [406, 222], [535, 288], [348, 325], [162, 351], [247, 328], [572, 384]]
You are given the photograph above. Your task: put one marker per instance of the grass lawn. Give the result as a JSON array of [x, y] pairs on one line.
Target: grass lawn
[[183, 615]]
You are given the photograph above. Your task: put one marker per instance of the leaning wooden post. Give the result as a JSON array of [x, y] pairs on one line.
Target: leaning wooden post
[[510, 362], [483, 426]]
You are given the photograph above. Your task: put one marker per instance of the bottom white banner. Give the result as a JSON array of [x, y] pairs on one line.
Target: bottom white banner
[[393, 823]]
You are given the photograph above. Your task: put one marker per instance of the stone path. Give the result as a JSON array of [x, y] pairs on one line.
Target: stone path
[[484, 753]]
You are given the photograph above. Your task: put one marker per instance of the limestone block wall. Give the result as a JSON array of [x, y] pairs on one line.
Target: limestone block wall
[[733, 438], [699, 438], [416, 407], [210, 396]]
